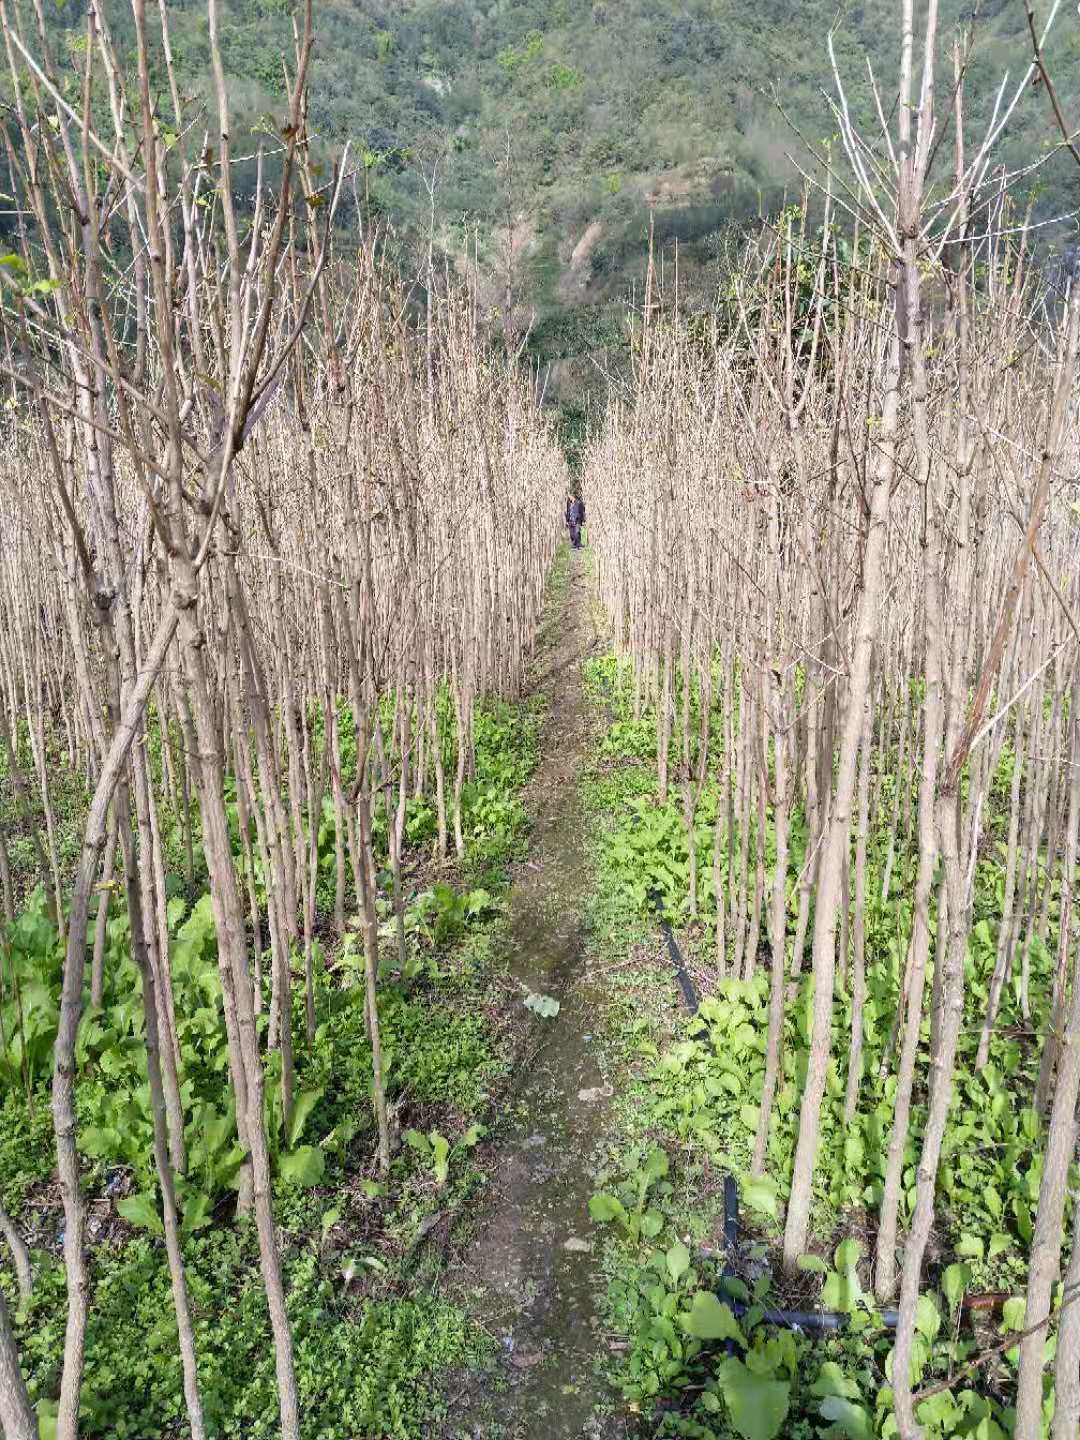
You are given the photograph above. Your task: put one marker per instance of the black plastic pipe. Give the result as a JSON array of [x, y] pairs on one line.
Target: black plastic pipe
[[813, 1322], [686, 985]]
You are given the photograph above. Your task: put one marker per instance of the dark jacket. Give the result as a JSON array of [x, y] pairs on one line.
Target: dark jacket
[[575, 512]]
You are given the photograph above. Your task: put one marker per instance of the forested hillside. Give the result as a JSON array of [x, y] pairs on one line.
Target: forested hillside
[[613, 113]]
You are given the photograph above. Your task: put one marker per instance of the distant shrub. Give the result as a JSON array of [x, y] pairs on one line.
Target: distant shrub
[[563, 77], [515, 56]]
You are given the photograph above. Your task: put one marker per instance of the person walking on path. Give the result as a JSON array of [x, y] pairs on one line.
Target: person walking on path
[[575, 518]]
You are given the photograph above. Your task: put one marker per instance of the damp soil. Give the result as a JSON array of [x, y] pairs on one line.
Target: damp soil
[[533, 1267]]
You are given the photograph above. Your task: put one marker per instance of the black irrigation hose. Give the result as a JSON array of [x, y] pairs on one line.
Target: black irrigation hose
[[686, 985], [812, 1322]]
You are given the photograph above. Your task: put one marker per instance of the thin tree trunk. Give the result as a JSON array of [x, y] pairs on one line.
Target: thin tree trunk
[[1005, 929], [1067, 1360], [1045, 1260], [371, 963], [101, 920], [7, 896], [858, 962], [163, 1136], [245, 1063], [836, 844], [778, 926], [16, 1417], [20, 1255], [63, 1092], [933, 724]]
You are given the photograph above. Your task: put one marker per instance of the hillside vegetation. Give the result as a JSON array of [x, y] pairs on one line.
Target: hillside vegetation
[[614, 113]]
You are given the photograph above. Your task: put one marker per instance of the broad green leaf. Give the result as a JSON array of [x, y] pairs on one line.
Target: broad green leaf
[[781, 1350], [305, 1103], [759, 1195], [831, 1380], [46, 1416], [440, 1152], [141, 1210], [813, 1264], [98, 1142], [847, 1254], [603, 1208], [927, 1317], [329, 1220], [954, 1282], [417, 1141], [842, 1290], [847, 1418], [217, 1130], [710, 1319], [196, 1212], [920, 1353], [758, 1407], [353, 1263], [305, 1165], [854, 1151], [651, 1224], [1012, 1313], [941, 1411], [970, 1247], [736, 1289], [656, 1166], [1023, 1219], [748, 1114], [678, 1262], [988, 1429], [661, 1328], [199, 925]]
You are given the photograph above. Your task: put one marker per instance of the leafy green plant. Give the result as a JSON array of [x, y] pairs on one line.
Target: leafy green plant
[[364, 1366], [676, 1321], [29, 982], [754, 1393], [435, 1150], [648, 854], [664, 1347], [627, 1204], [842, 1290], [442, 913], [301, 1164]]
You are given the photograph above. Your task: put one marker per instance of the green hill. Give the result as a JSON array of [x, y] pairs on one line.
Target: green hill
[[612, 113]]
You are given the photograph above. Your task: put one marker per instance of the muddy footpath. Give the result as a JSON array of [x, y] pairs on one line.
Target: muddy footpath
[[533, 1264]]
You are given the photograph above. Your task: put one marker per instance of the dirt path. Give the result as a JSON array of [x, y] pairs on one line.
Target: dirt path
[[532, 1264]]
